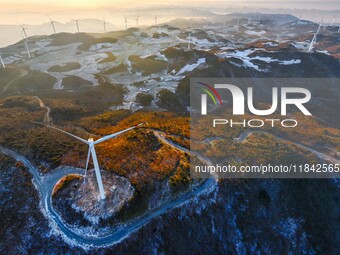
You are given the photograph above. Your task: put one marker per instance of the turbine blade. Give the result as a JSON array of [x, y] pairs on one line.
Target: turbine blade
[[116, 134], [87, 163], [80, 139]]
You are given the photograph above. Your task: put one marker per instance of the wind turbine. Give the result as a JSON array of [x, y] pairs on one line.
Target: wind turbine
[[333, 20], [23, 31], [52, 25], [76, 21], [104, 23], [137, 21], [27, 50], [189, 40], [156, 20], [2, 61], [125, 23], [25, 41], [238, 24], [314, 37], [92, 152], [250, 19]]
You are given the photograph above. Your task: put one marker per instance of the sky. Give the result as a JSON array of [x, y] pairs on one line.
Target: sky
[[35, 11]]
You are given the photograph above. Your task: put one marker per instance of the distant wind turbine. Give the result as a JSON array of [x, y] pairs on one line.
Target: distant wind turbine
[[104, 23], [250, 19], [125, 23], [52, 25], [238, 24], [137, 21], [25, 40], [2, 61], [314, 37], [76, 21], [27, 49], [156, 20], [92, 152], [333, 20], [189, 40], [23, 31]]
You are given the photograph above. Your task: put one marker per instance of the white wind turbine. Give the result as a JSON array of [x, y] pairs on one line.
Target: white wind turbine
[[104, 23], [314, 37], [92, 152], [76, 21], [25, 41], [23, 31], [238, 24], [27, 50], [189, 40], [137, 19], [250, 19], [156, 20], [2, 60], [52, 25], [125, 23]]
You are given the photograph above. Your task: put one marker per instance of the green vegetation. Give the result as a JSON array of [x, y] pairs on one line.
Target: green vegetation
[[62, 183], [75, 82], [144, 99], [148, 65], [110, 58], [33, 82], [168, 100]]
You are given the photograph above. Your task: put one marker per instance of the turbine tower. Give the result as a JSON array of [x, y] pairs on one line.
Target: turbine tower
[[125, 23], [156, 20], [27, 49], [333, 20], [92, 152], [2, 60], [52, 25], [104, 23], [314, 37], [137, 21], [238, 24], [76, 21], [25, 40], [189, 40]]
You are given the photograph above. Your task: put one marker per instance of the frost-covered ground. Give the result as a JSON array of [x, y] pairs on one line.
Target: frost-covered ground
[[230, 42]]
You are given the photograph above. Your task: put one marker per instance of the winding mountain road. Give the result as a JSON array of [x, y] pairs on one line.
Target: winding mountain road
[[244, 135], [47, 118], [45, 184]]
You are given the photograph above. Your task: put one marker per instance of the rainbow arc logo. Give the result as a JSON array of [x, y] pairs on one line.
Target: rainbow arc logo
[[211, 91]]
